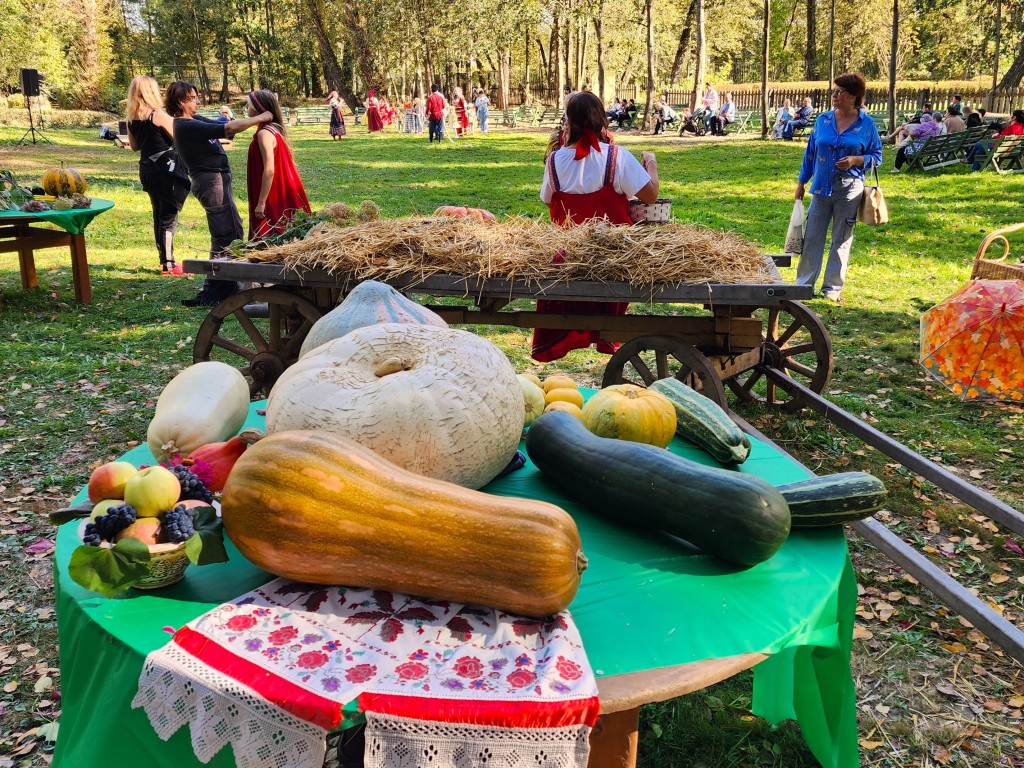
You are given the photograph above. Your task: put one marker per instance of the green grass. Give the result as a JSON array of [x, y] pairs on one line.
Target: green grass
[[79, 383]]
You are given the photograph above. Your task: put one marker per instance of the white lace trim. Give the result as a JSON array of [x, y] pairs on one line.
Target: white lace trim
[[220, 711], [398, 742]]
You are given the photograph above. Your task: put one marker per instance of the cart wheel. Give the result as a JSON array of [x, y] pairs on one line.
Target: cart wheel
[[260, 340], [646, 359], [795, 343]]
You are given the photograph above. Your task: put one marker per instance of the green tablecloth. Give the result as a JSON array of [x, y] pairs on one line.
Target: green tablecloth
[[644, 603], [74, 221]]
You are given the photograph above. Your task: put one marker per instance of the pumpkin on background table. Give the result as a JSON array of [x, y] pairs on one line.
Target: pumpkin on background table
[[438, 401], [62, 182]]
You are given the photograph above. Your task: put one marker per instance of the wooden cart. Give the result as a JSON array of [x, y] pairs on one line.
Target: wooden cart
[[743, 329]]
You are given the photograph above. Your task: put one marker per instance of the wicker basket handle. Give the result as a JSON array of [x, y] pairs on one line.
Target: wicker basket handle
[[983, 266]]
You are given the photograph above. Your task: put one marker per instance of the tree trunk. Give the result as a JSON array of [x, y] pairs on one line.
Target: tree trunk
[[789, 27], [764, 68], [555, 55], [585, 52], [701, 55], [224, 74], [683, 49], [504, 77], [627, 72], [893, 51], [332, 66], [545, 70], [832, 42], [811, 54], [599, 34], [649, 10], [361, 40]]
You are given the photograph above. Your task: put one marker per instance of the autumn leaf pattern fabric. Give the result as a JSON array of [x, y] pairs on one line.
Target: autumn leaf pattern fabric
[[973, 341], [284, 659]]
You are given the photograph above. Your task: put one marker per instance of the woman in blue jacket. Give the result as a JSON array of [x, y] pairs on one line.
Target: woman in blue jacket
[[843, 145]]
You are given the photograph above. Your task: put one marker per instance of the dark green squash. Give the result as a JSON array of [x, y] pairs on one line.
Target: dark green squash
[[834, 499], [736, 517]]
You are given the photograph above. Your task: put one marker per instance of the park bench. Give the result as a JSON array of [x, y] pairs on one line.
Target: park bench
[[1006, 155], [740, 124], [551, 118], [971, 137], [631, 120], [312, 115], [935, 151], [209, 114]]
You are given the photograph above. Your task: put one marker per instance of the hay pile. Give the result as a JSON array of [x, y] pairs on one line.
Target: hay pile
[[520, 248]]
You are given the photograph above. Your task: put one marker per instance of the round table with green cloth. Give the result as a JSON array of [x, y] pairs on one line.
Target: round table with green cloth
[[645, 602], [18, 235]]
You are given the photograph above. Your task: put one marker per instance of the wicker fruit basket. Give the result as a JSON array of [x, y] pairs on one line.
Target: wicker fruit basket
[[166, 566], [658, 212], [1000, 267]]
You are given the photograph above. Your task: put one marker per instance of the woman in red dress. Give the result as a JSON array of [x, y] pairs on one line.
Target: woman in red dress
[[586, 177], [461, 111], [373, 119], [275, 188]]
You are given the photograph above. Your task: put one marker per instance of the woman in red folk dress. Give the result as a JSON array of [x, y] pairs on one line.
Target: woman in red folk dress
[[461, 111], [373, 121], [586, 177], [275, 188]]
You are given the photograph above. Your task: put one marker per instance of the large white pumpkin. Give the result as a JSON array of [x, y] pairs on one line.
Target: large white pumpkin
[[441, 402]]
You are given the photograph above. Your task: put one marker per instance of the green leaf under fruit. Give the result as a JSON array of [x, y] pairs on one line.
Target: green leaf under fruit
[[206, 545], [109, 571]]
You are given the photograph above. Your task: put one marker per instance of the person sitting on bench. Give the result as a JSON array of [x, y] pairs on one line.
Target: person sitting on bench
[[663, 115], [801, 120], [726, 114]]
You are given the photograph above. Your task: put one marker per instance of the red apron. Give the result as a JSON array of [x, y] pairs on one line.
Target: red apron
[[287, 195], [551, 344]]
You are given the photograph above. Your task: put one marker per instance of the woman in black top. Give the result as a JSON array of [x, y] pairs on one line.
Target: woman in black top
[[150, 130], [197, 142]]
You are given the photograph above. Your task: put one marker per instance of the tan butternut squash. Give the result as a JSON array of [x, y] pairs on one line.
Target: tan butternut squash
[[318, 508]]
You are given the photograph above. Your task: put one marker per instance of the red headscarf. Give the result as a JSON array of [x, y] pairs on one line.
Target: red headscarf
[[588, 140]]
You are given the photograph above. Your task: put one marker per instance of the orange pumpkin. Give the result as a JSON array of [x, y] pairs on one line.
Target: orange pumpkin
[[477, 214], [63, 182]]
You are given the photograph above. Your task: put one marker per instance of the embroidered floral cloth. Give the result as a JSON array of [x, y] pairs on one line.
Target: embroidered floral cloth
[[442, 684]]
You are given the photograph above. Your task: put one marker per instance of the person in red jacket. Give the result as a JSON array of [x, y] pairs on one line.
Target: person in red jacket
[[275, 189], [436, 106]]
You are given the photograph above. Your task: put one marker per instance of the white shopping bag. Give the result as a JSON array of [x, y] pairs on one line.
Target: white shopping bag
[[795, 235]]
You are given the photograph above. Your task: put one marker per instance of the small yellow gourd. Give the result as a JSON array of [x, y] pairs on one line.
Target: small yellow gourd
[[562, 405], [629, 412], [558, 381], [565, 394], [533, 399], [533, 377]]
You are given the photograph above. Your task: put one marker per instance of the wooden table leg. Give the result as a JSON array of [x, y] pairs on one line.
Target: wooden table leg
[[27, 263], [613, 741], [80, 270]]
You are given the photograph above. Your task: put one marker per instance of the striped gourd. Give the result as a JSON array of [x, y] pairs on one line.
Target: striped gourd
[[63, 182], [701, 421], [834, 499]]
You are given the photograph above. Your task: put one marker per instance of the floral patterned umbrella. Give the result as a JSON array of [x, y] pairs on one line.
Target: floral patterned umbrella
[[973, 341]]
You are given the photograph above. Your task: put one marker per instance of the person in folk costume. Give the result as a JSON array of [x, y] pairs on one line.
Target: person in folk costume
[[387, 112], [275, 188], [337, 118], [373, 121], [461, 111], [587, 177]]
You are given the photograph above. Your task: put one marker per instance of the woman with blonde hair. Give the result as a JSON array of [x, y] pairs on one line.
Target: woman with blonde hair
[[336, 103], [150, 131], [275, 188]]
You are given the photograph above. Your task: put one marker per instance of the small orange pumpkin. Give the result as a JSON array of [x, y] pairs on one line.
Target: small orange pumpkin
[[629, 412], [63, 182], [477, 214]]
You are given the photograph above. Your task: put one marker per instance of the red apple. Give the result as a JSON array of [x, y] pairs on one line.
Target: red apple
[[107, 481], [152, 491], [148, 530]]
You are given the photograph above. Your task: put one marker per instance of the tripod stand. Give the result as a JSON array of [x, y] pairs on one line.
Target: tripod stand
[[32, 130]]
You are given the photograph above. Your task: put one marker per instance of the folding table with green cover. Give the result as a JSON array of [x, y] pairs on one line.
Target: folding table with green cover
[[647, 602]]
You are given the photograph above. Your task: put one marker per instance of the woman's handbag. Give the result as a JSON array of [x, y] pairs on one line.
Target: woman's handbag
[[873, 208], [795, 233]]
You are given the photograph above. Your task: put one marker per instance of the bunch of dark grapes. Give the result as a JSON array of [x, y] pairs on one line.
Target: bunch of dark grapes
[[191, 486], [178, 524], [106, 527]]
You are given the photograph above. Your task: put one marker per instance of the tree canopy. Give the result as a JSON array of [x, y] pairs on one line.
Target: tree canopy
[[89, 50]]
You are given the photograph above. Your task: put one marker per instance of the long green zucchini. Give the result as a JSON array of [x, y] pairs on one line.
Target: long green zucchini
[[701, 421], [834, 499], [736, 517]]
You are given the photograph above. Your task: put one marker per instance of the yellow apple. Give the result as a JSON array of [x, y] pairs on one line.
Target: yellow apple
[[152, 490], [107, 481], [148, 530], [104, 506]]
